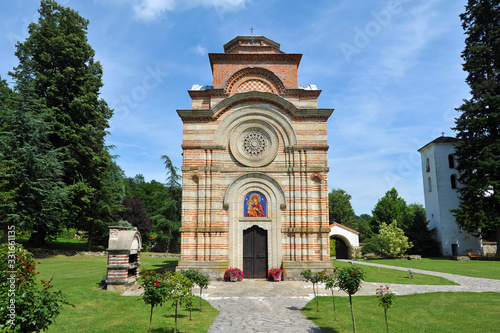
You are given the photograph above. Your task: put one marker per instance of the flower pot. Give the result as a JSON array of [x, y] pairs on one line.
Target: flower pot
[[277, 279], [233, 279]]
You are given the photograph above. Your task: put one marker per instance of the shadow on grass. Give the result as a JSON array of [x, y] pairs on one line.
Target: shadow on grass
[[165, 266]]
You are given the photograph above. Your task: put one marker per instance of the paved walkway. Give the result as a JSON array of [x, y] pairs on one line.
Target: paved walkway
[[263, 306]]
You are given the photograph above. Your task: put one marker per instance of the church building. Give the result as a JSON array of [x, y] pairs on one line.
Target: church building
[[255, 166]]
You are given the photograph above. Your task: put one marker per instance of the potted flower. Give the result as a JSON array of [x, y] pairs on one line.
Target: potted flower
[[233, 274], [276, 274]]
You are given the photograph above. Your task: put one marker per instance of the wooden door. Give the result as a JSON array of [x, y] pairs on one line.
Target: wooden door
[[255, 253]]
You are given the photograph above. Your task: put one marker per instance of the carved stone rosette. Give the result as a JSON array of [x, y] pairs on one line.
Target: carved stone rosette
[[254, 144]]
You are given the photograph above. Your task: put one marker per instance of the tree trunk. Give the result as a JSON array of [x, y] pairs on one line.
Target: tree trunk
[[175, 325], [89, 242], [37, 238], [334, 311], [386, 324], [498, 240], [316, 297], [151, 318], [201, 290], [352, 315]]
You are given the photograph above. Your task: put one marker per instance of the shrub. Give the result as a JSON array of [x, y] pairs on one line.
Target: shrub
[[393, 241], [25, 305]]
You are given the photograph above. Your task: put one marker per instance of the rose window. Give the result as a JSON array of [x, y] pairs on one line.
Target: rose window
[[254, 143]]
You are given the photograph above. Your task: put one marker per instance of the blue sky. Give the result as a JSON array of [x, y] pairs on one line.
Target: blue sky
[[390, 68]]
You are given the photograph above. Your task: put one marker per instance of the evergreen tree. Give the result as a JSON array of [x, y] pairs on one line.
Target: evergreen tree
[[416, 228], [167, 223], [58, 59], [478, 125], [30, 182]]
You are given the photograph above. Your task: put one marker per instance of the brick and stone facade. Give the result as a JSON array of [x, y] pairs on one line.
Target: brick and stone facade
[[255, 130]]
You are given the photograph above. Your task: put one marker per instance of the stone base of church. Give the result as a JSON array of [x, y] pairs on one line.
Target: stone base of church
[[215, 269], [293, 268]]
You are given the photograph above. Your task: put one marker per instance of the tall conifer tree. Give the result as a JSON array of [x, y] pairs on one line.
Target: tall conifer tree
[[60, 62], [478, 125], [31, 188]]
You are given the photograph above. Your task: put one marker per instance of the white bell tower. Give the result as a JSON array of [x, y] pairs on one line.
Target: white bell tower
[[440, 179]]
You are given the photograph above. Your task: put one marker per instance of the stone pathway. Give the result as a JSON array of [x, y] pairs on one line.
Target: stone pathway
[[262, 306]]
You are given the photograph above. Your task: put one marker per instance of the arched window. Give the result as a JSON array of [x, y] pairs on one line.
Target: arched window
[[429, 184], [427, 165], [453, 180], [451, 161]]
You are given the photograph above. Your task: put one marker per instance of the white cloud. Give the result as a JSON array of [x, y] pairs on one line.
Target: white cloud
[[149, 10], [200, 50]]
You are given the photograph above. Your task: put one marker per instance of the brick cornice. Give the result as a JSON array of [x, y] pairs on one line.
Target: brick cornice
[[253, 97], [225, 58]]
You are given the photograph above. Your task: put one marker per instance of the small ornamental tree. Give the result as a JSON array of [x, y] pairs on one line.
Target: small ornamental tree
[[178, 287], [386, 299], [314, 278], [331, 283], [24, 306], [349, 280], [191, 274], [392, 240], [202, 280], [154, 290]]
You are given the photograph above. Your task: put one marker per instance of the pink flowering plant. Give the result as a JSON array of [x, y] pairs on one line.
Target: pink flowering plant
[[386, 299], [233, 273], [276, 273]]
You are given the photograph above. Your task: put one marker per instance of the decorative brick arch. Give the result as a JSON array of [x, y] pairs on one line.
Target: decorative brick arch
[[254, 79], [263, 114]]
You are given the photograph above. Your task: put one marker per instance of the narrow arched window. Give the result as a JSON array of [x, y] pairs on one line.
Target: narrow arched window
[[427, 165], [451, 161], [429, 184], [453, 180]]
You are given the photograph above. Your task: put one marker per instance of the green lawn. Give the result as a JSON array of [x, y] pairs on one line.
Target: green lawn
[[432, 312], [386, 275], [99, 310], [475, 268]]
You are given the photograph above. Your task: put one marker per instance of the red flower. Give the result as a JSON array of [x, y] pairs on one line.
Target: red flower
[[157, 284], [43, 281]]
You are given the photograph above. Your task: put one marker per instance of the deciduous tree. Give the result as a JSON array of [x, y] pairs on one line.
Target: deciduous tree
[[340, 209]]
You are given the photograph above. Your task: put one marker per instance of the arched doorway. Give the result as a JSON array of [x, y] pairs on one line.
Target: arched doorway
[[255, 252], [341, 248]]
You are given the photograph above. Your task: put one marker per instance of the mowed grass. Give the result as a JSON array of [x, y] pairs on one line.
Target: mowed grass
[[97, 310], [433, 312], [386, 275], [475, 268]]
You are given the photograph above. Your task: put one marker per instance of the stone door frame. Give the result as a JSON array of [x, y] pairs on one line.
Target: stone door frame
[[234, 203]]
